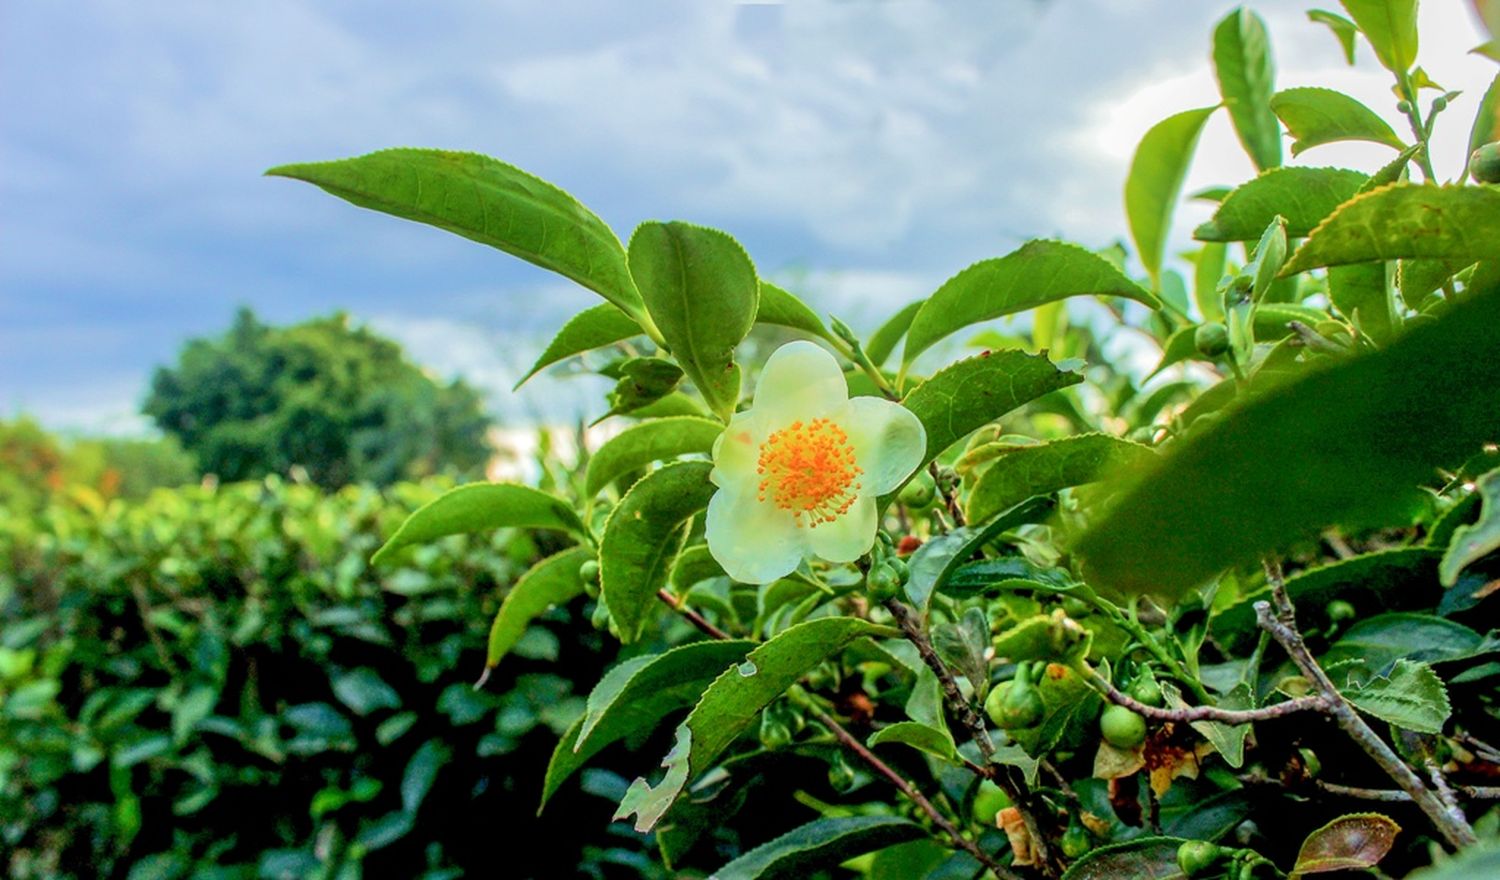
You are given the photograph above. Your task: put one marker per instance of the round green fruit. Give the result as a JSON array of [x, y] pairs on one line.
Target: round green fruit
[[1340, 611], [1484, 164], [589, 570], [883, 582], [919, 492], [989, 800], [1211, 339], [1145, 690], [1076, 840], [1195, 857], [1122, 728]]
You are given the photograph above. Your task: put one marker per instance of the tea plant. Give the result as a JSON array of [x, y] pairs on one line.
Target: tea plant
[[1153, 628]]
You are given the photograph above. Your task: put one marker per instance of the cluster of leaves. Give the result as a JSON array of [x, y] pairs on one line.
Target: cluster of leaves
[[336, 400], [1082, 539], [37, 467], [212, 683]]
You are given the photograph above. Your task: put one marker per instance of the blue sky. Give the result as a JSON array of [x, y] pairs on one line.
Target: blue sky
[[862, 151]]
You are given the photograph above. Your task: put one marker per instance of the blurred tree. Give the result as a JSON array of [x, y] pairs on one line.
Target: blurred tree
[[36, 465], [335, 399]]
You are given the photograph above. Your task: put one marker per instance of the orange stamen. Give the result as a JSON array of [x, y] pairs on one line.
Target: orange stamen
[[808, 469]]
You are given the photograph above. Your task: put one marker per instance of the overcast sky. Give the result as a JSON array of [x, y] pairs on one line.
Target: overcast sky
[[862, 150]]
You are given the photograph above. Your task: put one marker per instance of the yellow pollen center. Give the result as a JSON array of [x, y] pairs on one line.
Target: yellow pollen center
[[808, 468]]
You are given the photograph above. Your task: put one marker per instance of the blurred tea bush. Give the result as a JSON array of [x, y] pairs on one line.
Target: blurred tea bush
[[212, 683]]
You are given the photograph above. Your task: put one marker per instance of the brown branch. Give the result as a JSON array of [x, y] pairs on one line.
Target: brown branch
[[1384, 795], [1314, 703], [858, 748], [1010, 782], [692, 616], [1282, 625]]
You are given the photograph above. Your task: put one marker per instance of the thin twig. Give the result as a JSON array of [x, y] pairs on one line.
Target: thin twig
[[1011, 783], [950, 497], [858, 748], [1384, 795], [1314, 703], [1282, 625]]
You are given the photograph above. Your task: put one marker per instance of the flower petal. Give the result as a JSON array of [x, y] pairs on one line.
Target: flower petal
[[889, 442], [848, 537], [754, 541], [737, 451], [800, 381]]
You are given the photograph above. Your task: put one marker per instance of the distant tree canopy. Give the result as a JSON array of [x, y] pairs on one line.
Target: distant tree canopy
[[338, 400]]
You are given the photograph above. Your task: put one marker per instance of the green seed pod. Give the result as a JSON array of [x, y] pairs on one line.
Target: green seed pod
[[1195, 857], [1015, 704], [1145, 689], [1211, 339], [589, 571], [882, 582], [1076, 841], [1122, 728], [1484, 163], [918, 493]]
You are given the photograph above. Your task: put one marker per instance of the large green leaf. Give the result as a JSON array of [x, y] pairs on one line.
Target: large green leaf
[[591, 328], [640, 445], [1362, 293], [1410, 696], [974, 392], [700, 288], [1347, 843], [1391, 28], [642, 537], [1304, 196], [733, 701], [1155, 180], [632, 698], [785, 310], [1039, 470], [1037, 273], [1336, 445], [479, 507], [1145, 858], [1344, 30], [1317, 116], [1473, 542], [552, 581], [1378, 642], [488, 201], [938, 557], [822, 843], [1247, 77], [1406, 220]]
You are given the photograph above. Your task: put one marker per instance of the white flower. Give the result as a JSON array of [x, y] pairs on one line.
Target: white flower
[[799, 472]]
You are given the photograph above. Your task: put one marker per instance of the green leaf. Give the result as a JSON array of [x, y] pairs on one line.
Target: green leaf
[[553, 581], [700, 288], [822, 843], [919, 736], [1272, 320], [640, 445], [1411, 696], [1208, 268], [785, 310], [1480, 860], [421, 773], [642, 536], [479, 507], [1227, 739], [933, 562], [1155, 180], [633, 698], [1335, 445], [974, 392], [1037, 273], [1145, 858], [1486, 127], [591, 328], [1391, 28], [1368, 580], [1403, 221], [1304, 196], [1317, 116], [485, 200], [1380, 641], [885, 339], [1043, 469], [1247, 77], [1473, 542], [1343, 29], [1181, 346], [642, 382], [734, 700], [1420, 278], [1362, 293], [1347, 843]]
